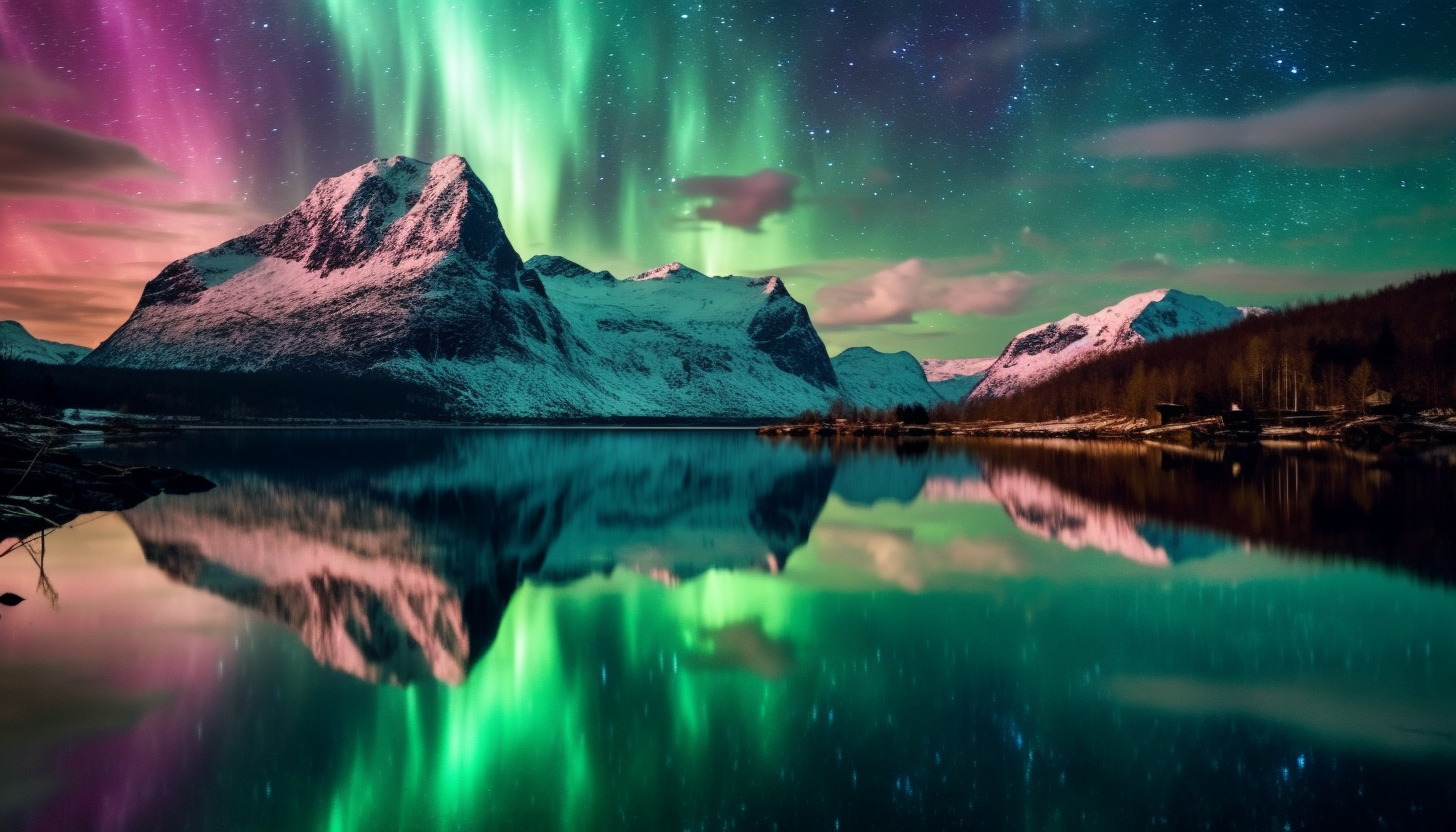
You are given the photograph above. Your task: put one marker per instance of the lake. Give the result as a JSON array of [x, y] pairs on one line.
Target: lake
[[707, 630]]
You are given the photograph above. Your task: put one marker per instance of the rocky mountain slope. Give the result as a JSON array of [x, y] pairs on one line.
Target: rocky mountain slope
[[402, 269], [1040, 353], [17, 344]]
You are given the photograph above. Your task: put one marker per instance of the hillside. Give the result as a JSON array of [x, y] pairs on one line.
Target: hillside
[[881, 380], [1042, 352], [17, 344], [1341, 353]]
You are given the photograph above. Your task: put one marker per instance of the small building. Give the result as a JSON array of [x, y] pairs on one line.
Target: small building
[[1378, 398], [1169, 412]]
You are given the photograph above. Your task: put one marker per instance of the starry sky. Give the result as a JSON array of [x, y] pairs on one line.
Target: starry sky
[[933, 176]]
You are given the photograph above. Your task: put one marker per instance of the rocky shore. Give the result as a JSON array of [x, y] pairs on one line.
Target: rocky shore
[[44, 486], [1372, 432]]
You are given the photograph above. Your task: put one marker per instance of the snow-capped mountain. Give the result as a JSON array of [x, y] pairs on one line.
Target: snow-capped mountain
[[955, 378], [675, 342], [17, 344], [403, 269], [1040, 353], [945, 369], [881, 380]]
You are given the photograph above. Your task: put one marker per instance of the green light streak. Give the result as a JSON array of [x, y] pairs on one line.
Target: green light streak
[[579, 117], [524, 736]]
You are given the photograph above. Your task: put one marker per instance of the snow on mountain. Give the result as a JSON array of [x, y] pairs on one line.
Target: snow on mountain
[[19, 345], [674, 341], [881, 380], [1040, 353], [946, 369], [955, 378], [403, 269]]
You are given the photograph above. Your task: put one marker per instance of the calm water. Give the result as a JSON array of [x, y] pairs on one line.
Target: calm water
[[542, 629]]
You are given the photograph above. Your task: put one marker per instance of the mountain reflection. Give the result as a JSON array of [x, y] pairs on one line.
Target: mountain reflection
[[393, 554], [397, 566]]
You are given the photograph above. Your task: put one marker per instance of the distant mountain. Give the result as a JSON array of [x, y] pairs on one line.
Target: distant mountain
[[402, 269], [1040, 353], [946, 369], [881, 380], [955, 378], [19, 345]]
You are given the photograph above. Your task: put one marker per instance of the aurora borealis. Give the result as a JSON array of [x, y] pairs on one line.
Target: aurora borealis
[[932, 176]]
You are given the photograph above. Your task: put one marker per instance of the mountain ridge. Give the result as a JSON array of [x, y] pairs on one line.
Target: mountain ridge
[[1041, 352], [17, 344], [403, 269]]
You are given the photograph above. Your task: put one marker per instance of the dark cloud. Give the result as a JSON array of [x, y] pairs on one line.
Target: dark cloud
[[1346, 127], [36, 154], [895, 294], [742, 201], [207, 209], [21, 187], [110, 232]]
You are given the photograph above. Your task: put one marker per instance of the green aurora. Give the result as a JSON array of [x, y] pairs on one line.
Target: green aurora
[[970, 142]]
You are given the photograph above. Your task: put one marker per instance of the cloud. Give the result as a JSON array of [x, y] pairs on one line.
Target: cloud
[[1037, 240], [1341, 128], [110, 232], [895, 294], [1236, 276], [68, 308], [742, 201], [37, 157], [1427, 214]]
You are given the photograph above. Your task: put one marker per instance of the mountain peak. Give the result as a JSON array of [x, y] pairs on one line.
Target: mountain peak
[[402, 269], [1041, 352], [397, 206]]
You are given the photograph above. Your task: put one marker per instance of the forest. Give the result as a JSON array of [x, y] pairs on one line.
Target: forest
[[1396, 344]]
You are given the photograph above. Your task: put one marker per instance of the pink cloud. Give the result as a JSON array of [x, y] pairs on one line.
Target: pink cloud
[[895, 294], [742, 201], [1345, 127]]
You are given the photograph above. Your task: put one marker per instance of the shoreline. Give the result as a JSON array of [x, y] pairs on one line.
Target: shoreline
[[1426, 429]]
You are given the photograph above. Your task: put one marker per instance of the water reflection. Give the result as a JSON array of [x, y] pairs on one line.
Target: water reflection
[[674, 630], [399, 567], [394, 555]]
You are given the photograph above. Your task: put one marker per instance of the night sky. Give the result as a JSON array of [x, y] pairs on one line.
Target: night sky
[[930, 176]]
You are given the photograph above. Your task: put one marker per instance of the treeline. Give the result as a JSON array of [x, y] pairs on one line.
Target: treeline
[[216, 396], [1399, 341], [909, 414]]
